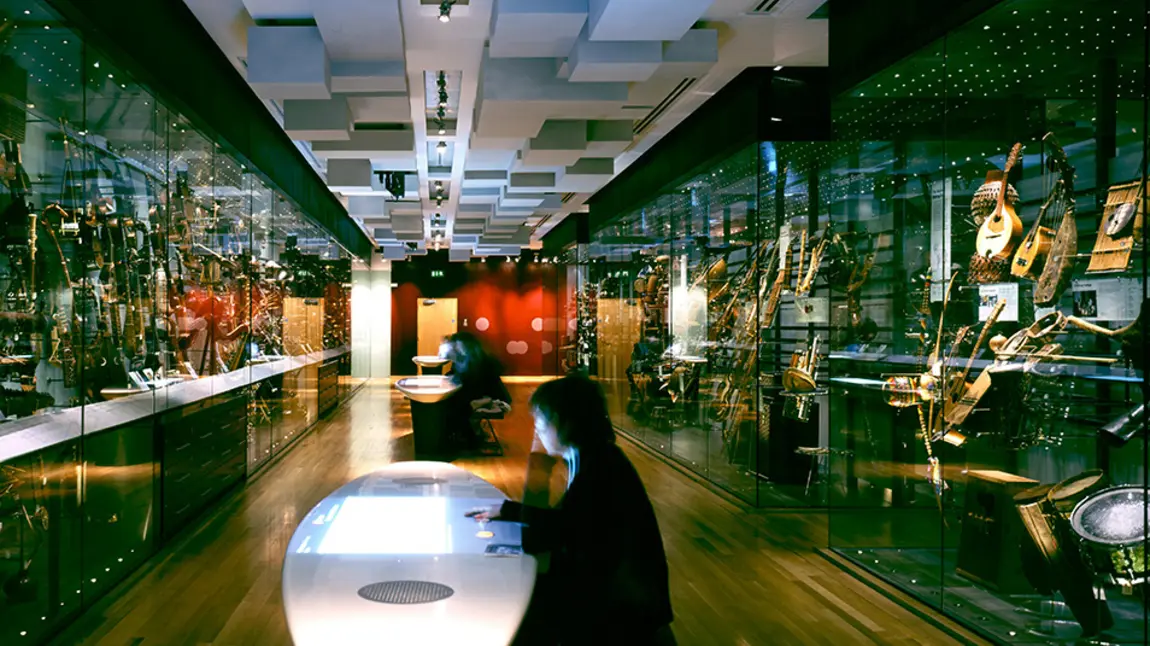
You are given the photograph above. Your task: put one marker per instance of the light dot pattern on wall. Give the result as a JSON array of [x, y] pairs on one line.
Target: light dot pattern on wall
[[547, 347], [537, 324], [482, 324], [517, 347]]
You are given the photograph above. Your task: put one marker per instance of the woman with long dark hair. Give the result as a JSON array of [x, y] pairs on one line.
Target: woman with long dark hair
[[479, 376], [608, 579]]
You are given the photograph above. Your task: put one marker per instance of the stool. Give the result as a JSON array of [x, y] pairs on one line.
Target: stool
[[819, 454], [482, 420]]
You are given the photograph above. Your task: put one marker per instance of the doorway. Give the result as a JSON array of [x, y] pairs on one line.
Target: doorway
[[437, 318]]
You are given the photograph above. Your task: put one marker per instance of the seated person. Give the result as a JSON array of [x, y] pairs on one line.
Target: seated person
[[481, 390], [608, 578]]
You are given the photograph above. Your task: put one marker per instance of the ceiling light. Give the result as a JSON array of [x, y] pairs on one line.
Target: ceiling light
[[441, 147], [778, 68], [442, 130], [445, 10]]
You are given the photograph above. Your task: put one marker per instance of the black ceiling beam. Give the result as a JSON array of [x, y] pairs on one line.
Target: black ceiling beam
[[761, 104], [867, 36], [162, 45]]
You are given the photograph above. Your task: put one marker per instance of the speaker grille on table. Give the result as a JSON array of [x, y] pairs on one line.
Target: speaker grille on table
[[405, 592]]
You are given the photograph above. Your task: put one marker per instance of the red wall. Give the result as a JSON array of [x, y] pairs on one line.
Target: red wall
[[502, 303]]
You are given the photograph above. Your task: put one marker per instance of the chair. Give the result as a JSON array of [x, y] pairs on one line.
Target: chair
[[482, 419]]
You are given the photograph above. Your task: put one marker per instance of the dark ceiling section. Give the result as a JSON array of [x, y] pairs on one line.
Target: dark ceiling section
[[761, 104], [822, 13], [1077, 55], [870, 35], [178, 61]]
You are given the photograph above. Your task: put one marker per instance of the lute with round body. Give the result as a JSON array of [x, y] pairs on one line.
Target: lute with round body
[[1000, 232], [1031, 256]]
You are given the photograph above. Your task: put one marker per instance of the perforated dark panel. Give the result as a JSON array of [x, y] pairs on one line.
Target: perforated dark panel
[[405, 592]]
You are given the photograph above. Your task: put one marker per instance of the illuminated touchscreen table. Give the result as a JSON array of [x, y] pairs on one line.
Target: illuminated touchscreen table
[[389, 558]]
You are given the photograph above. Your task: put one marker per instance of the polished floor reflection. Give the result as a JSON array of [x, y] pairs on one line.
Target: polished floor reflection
[[739, 577]]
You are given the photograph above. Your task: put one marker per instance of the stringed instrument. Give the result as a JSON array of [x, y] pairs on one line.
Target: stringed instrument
[[1031, 256], [961, 397], [1059, 265], [1000, 232]]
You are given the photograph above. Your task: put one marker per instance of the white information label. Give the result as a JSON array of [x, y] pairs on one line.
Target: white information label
[[989, 295], [940, 196], [813, 310], [1107, 299]]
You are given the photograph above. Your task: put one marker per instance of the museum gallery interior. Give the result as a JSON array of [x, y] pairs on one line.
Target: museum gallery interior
[[862, 282]]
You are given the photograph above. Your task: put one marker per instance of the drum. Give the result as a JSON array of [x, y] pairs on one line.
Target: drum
[[1067, 494], [1112, 527], [1066, 570]]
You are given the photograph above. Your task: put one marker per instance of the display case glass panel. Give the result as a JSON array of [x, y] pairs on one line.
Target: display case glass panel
[[144, 342], [677, 323], [991, 437]]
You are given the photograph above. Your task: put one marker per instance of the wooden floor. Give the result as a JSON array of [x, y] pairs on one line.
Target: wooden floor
[[738, 577]]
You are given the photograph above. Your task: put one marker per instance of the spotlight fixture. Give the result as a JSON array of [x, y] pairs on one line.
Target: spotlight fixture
[[445, 10], [439, 185], [442, 129], [441, 147], [439, 200], [395, 183]]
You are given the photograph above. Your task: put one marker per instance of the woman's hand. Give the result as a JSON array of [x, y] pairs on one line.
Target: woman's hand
[[484, 514]]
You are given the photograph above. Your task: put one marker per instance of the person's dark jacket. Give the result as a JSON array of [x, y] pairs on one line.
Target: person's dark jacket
[[482, 381], [608, 569]]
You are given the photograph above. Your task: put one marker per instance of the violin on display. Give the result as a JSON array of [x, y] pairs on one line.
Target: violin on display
[[1000, 232]]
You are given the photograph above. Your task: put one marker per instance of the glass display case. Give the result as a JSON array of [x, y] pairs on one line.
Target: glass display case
[[989, 437], [929, 325], [168, 322], [708, 322]]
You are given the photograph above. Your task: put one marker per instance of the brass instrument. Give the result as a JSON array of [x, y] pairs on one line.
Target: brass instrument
[[800, 380], [806, 279]]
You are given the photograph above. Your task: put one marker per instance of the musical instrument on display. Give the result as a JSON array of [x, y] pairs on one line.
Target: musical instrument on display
[[799, 380], [1062, 563], [1066, 495], [999, 233], [1127, 425], [991, 531], [961, 397], [1121, 229], [807, 274], [1112, 527], [1030, 258], [1059, 264]]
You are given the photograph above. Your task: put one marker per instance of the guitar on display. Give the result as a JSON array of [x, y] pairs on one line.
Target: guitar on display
[[1000, 232]]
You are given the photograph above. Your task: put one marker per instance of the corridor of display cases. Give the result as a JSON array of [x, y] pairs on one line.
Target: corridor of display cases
[[862, 283]]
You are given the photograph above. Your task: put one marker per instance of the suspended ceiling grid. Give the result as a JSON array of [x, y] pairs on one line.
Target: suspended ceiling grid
[[547, 99]]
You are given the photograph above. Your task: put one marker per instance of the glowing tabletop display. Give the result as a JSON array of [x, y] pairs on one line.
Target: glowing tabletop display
[[426, 390], [390, 558]]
